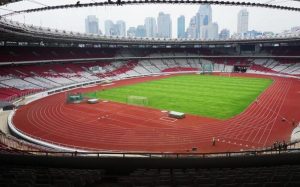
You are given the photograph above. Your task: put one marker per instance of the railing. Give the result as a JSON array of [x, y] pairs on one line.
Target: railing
[[20, 145], [252, 153]]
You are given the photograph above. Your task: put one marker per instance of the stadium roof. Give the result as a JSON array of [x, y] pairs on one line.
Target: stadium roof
[[78, 4], [12, 31], [4, 2]]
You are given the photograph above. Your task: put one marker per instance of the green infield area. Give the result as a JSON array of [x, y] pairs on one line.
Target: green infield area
[[203, 95]]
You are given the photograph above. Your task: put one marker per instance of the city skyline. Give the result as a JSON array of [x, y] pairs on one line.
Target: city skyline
[[225, 16], [200, 27]]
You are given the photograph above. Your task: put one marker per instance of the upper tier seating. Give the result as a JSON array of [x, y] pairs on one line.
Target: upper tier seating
[[16, 54]]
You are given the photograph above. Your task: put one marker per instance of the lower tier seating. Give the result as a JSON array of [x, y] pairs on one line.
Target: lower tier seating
[[27, 176], [20, 80]]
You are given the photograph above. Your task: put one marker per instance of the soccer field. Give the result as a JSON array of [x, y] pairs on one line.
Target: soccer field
[[203, 95]]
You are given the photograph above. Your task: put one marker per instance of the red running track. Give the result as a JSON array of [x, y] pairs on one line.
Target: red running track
[[110, 126]]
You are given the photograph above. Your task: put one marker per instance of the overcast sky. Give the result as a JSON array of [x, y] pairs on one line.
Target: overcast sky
[[260, 19]]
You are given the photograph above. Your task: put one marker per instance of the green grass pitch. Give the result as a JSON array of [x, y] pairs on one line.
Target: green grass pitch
[[203, 95]]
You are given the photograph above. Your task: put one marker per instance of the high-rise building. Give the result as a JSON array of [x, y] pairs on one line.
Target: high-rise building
[[140, 31], [192, 29], [164, 25], [121, 28], [150, 26], [210, 31], [203, 18], [92, 25], [109, 28], [205, 13], [242, 25], [131, 32], [118, 29], [181, 27], [224, 34]]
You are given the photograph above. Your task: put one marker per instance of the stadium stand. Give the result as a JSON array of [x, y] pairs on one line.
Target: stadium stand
[[20, 80], [15, 54], [71, 170]]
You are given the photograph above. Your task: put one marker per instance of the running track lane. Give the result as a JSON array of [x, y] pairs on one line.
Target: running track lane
[[118, 127]]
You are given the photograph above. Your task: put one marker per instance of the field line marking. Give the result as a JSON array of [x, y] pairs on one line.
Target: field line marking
[[168, 119]]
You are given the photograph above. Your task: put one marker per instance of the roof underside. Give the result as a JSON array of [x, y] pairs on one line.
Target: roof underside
[[4, 2]]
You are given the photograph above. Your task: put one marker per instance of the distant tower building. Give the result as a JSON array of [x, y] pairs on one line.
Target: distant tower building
[[92, 25], [151, 27], [192, 29], [224, 34], [109, 28], [203, 18], [181, 27], [140, 31], [121, 28], [214, 31], [242, 25], [131, 32], [205, 13], [210, 32], [164, 25]]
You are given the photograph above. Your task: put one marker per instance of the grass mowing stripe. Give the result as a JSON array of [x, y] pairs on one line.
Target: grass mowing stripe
[[211, 96]]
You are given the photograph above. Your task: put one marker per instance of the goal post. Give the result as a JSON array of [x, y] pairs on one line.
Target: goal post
[[137, 100], [207, 68]]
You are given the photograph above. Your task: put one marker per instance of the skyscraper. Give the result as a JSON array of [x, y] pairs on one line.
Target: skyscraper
[[203, 18], [131, 32], [181, 27], [210, 31], [121, 28], [150, 26], [205, 14], [164, 25], [109, 28], [242, 25], [140, 31], [118, 29], [92, 25], [192, 29]]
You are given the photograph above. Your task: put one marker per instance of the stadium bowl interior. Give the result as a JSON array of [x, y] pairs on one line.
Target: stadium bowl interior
[[147, 112]]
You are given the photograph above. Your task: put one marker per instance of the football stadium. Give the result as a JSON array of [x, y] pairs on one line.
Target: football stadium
[[85, 109]]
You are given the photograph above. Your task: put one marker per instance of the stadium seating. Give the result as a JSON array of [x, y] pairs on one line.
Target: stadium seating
[[286, 175], [25, 79], [84, 171], [39, 53], [48, 177], [285, 67]]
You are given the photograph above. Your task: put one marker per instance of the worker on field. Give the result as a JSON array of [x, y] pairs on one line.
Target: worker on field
[[213, 141]]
